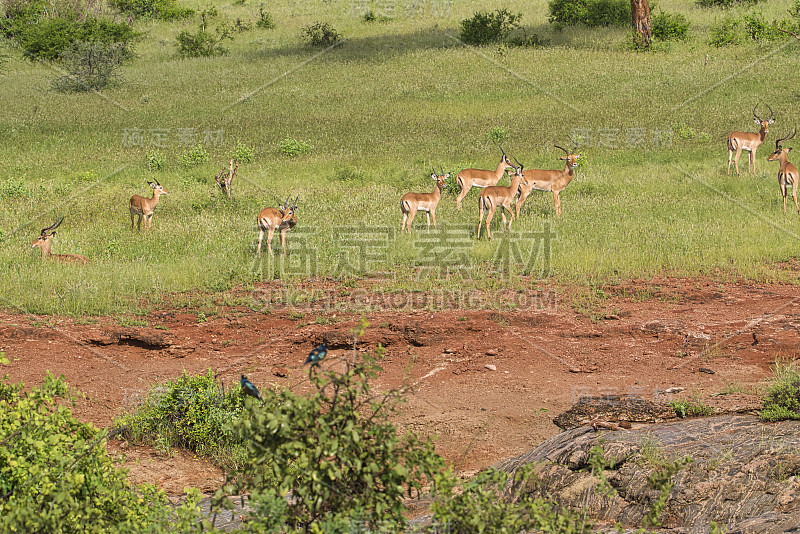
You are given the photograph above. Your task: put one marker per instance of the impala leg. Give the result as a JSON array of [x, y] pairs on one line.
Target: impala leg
[[260, 238], [270, 233], [464, 190], [480, 216], [730, 157], [520, 202], [511, 216], [794, 195], [428, 218], [751, 159], [139, 222], [782, 184], [503, 214], [433, 214], [736, 158], [283, 240], [411, 215], [489, 217], [131, 211], [557, 201], [403, 224]]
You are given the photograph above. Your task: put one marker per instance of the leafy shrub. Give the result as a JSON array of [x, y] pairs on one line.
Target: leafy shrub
[[334, 451], [669, 26], [727, 3], [759, 29], [243, 153], [691, 409], [484, 27], [783, 397], [203, 43], [191, 412], [91, 66], [157, 9], [156, 161], [49, 38], [194, 156], [292, 147], [590, 12], [478, 506], [264, 19], [55, 474], [370, 16], [497, 134], [321, 34], [726, 32]]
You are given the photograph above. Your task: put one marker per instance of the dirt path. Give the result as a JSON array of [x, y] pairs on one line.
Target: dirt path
[[486, 382]]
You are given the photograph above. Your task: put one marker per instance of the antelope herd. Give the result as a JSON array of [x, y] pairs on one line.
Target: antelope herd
[[492, 196]]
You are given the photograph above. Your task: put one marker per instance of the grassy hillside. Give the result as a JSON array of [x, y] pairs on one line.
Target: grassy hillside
[[394, 100]]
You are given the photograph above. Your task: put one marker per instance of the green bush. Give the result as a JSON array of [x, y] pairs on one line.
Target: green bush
[[56, 476], [669, 26], [759, 29], [485, 27], [157, 9], [727, 3], [783, 397], [726, 32], [321, 34], [264, 19], [191, 412], [49, 38], [203, 43], [292, 147], [243, 153], [156, 161], [334, 451], [91, 66], [590, 12]]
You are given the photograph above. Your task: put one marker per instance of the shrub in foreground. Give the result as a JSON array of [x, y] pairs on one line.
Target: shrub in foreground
[[489, 27], [783, 397]]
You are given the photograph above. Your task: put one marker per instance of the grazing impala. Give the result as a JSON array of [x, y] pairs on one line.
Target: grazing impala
[[282, 218], [469, 178], [787, 174], [748, 141], [550, 180], [427, 202], [43, 241], [145, 207], [498, 196]]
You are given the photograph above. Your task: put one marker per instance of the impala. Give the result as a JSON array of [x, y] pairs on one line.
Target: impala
[[550, 180], [498, 196], [787, 174], [469, 178], [749, 141], [145, 207], [411, 203], [283, 218], [44, 242]]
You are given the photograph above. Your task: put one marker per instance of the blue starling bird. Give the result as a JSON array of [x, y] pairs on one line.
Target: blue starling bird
[[316, 355], [249, 388]]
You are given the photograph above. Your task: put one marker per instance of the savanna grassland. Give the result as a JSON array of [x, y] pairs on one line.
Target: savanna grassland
[[396, 98]]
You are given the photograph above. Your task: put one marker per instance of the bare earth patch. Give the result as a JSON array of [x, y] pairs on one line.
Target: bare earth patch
[[487, 383]]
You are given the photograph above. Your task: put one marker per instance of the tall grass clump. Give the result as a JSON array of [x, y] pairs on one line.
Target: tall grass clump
[[783, 396], [191, 412]]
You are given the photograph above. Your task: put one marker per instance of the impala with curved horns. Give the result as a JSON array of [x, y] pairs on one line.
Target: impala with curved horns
[[499, 196], [44, 242], [550, 180], [787, 174], [427, 202], [469, 178], [748, 141], [282, 218], [145, 207]]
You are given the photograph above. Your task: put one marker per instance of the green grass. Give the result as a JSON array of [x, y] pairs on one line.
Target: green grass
[[395, 100]]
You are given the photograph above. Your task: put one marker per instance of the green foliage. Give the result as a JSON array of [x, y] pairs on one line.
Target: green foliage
[[726, 32], [669, 26], [498, 135], [156, 9], [195, 156], [489, 27], [156, 161], [590, 12], [50, 38], [243, 153], [478, 506], [91, 66], [783, 396], [293, 147], [689, 408], [756, 26], [203, 43], [55, 474], [370, 16], [727, 3], [264, 19], [321, 34], [686, 132], [334, 451], [191, 412]]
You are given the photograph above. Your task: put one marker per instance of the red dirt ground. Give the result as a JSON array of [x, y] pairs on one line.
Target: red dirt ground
[[486, 382]]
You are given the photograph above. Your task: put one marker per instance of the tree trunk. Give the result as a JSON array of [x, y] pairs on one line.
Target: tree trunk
[[640, 13]]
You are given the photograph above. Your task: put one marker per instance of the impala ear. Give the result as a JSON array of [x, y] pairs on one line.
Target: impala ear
[[446, 176], [788, 150], [433, 175], [770, 121]]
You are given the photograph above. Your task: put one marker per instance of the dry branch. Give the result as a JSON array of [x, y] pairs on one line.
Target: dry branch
[[225, 183]]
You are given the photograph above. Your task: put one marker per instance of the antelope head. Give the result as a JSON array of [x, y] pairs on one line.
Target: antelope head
[[570, 156], [779, 147], [764, 124]]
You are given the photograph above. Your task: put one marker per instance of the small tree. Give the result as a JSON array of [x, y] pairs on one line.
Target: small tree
[[224, 182], [91, 66]]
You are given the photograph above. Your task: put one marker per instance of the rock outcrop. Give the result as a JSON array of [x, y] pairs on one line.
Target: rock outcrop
[[744, 474]]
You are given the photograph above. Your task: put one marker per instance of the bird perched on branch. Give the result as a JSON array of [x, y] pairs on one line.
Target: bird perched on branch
[[316, 355], [249, 388]]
